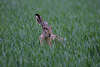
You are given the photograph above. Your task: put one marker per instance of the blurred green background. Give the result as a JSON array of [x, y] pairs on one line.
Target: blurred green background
[[77, 21]]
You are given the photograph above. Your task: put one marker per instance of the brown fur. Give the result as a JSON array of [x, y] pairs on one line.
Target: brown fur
[[47, 31]]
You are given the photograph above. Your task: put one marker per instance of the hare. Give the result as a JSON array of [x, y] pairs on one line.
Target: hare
[[47, 31]]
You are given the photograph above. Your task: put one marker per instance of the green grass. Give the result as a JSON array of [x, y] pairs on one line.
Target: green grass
[[78, 21]]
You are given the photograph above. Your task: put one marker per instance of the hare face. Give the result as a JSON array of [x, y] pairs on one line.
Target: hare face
[[46, 31]]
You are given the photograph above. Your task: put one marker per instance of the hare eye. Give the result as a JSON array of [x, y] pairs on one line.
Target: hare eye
[[45, 28]]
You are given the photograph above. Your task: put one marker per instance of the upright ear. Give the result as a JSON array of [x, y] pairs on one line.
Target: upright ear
[[50, 29], [38, 18]]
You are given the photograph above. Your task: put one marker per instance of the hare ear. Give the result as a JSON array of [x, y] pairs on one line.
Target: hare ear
[[38, 18], [50, 28]]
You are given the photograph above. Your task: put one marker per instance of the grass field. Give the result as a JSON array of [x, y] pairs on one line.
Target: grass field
[[77, 21]]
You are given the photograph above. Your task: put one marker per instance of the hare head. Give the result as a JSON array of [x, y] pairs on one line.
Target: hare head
[[44, 24]]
